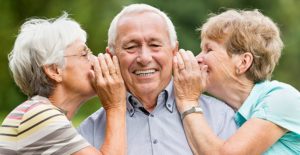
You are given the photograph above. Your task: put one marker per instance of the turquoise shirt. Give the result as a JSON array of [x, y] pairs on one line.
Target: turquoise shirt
[[278, 103]]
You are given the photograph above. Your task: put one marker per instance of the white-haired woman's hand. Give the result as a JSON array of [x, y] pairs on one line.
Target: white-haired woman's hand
[[108, 82], [189, 79]]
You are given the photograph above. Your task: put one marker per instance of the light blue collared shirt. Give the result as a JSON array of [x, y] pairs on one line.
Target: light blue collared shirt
[[160, 132], [278, 103]]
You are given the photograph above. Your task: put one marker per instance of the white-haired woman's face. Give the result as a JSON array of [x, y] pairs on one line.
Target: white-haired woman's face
[[78, 64]]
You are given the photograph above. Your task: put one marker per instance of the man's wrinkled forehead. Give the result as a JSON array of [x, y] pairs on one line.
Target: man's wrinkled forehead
[[133, 21], [142, 13]]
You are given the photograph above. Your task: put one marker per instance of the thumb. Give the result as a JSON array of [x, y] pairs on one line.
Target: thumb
[[204, 75]]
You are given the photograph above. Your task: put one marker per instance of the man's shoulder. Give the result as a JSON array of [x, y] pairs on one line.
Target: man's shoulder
[[98, 117], [94, 126], [210, 102], [100, 113], [206, 99]]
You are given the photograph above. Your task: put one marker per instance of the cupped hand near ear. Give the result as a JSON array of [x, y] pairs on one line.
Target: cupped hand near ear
[[189, 79], [108, 82]]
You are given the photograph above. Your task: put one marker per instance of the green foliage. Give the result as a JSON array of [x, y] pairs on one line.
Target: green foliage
[[96, 15]]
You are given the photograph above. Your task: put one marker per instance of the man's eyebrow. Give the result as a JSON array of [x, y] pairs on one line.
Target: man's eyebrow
[[155, 39], [130, 41]]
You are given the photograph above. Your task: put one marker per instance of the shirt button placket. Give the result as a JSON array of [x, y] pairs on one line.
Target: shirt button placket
[[152, 127], [155, 141]]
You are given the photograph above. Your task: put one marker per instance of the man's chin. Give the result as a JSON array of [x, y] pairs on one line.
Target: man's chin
[[145, 89]]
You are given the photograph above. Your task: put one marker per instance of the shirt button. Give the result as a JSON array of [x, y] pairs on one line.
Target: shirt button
[[169, 105], [151, 115], [155, 141], [131, 110]]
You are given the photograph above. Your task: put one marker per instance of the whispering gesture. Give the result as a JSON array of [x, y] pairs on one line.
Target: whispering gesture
[[108, 82], [189, 79]]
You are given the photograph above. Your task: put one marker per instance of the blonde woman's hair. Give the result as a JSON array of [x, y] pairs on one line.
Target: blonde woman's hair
[[247, 31]]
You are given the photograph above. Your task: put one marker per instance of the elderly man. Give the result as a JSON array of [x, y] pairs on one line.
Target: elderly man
[[144, 40]]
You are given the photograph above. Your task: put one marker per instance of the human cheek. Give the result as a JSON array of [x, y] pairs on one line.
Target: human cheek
[[126, 63]]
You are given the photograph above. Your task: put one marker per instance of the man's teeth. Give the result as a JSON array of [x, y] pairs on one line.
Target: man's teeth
[[144, 72]]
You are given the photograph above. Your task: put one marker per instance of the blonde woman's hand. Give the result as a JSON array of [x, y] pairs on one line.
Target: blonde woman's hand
[[189, 79]]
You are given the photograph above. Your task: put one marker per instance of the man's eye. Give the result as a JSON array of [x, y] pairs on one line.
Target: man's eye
[[155, 45], [130, 47], [208, 50]]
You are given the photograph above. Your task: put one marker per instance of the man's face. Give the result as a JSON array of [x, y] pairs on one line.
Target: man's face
[[145, 54]]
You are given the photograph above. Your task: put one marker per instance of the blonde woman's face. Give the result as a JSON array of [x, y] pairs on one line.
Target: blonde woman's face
[[221, 68]]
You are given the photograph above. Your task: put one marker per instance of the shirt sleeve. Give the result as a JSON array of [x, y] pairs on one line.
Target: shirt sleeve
[[46, 130], [282, 107], [219, 116], [86, 129], [229, 126]]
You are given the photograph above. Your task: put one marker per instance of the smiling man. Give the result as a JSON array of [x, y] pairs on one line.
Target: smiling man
[[144, 40]]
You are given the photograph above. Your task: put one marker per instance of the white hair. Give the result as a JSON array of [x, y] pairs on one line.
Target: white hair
[[41, 42], [135, 9]]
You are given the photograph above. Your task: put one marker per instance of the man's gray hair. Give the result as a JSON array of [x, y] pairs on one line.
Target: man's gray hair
[[135, 9], [41, 42]]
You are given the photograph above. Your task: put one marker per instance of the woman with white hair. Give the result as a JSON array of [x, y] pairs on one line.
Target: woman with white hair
[[53, 66], [240, 50]]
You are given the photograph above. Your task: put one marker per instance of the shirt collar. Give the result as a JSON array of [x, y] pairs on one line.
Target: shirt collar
[[166, 95], [245, 111], [45, 100]]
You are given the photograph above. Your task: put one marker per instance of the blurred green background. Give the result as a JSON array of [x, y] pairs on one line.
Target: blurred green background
[[96, 15]]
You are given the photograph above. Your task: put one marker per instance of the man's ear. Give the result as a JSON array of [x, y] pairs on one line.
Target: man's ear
[[107, 50], [53, 72], [246, 60], [175, 50]]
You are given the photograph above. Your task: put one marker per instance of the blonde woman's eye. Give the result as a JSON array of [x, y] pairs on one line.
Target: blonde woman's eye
[[209, 49]]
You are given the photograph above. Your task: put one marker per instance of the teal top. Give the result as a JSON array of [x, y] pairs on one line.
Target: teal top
[[278, 103]]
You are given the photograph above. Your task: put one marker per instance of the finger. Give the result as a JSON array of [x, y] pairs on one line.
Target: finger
[[186, 59], [95, 74], [92, 75], [103, 65], [175, 66], [203, 70], [117, 67], [180, 62], [193, 60], [97, 69], [110, 64]]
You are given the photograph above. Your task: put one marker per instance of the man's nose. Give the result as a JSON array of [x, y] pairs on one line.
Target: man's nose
[[144, 56]]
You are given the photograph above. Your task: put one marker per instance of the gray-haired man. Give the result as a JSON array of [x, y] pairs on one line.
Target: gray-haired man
[[144, 40]]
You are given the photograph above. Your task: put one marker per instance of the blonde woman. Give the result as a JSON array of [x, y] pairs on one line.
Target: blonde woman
[[239, 52]]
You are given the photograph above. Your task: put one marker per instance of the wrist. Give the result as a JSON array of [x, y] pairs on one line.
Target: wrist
[[120, 108], [195, 109], [184, 105]]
